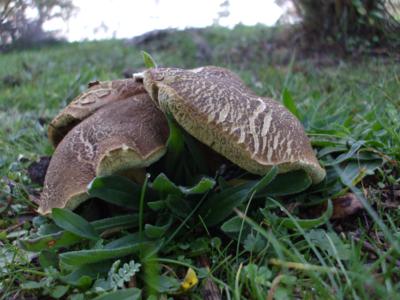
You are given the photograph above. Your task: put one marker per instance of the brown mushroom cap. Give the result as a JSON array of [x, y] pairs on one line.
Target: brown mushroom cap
[[120, 136], [98, 95], [213, 105]]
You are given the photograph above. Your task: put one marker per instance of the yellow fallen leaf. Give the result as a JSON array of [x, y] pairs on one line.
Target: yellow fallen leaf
[[189, 281]]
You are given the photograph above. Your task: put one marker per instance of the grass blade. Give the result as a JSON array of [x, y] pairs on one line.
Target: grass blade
[[74, 223]]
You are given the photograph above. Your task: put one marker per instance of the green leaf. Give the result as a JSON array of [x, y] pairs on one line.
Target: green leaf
[[184, 159], [32, 285], [157, 205], [258, 275], [235, 228], [198, 247], [74, 223], [118, 222], [175, 140], [126, 240], [254, 243], [196, 156], [116, 190], [149, 62], [175, 148], [83, 282], [58, 291], [48, 258], [219, 206], [232, 225], [83, 257], [125, 294], [292, 223], [333, 149], [320, 238], [265, 180], [341, 158], [50, 241], [165, 186], [65, 238], [79, 296], [204, 185], [155, 232], [83, 276], [165, 284], [353, 170], [289, 103], [288, 184], [178, 206], [127, 245]]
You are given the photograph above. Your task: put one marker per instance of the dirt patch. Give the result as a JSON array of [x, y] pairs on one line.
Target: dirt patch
[[37, 170]]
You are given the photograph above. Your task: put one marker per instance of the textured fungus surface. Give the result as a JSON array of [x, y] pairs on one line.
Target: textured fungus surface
[[115, 127], [216, 107], [98, 95], [120, 136]]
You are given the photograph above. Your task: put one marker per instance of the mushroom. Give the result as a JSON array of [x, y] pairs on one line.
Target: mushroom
[[98, 95], [213, 105], [122, 130], [119, 125]]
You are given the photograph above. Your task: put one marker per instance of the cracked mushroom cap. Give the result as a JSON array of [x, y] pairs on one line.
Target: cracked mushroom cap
[[122, 135], [214, 105], [98, 95]]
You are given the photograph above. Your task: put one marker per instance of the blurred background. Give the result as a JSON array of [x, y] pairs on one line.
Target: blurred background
[[77, 20], [128, 18], [335, 64], [27, 22]]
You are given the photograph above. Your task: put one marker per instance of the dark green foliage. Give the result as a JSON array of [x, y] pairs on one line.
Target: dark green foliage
[[117, 190], [18, 29], [127, 294], [352, 24], [73, 223]]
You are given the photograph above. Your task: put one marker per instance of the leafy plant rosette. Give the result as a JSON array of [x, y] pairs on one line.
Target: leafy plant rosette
[[155, 236]]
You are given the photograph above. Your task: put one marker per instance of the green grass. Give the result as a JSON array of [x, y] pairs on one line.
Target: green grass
[[344, 104]]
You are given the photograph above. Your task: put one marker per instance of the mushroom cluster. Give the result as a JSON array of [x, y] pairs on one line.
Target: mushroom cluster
[[121, 126]]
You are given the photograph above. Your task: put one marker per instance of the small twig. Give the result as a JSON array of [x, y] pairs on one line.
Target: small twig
[[210, 290], [169, 270], [301, 266], [16, 296], [15, 226], [274, 286], [11, 228], [237, 277], [132, 283]]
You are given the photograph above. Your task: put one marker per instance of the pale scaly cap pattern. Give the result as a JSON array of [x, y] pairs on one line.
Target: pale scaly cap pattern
[[214, 105], [123, 135], [98, 95]]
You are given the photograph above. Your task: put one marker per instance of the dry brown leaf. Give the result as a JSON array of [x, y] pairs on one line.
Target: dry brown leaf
[[345, 206]]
